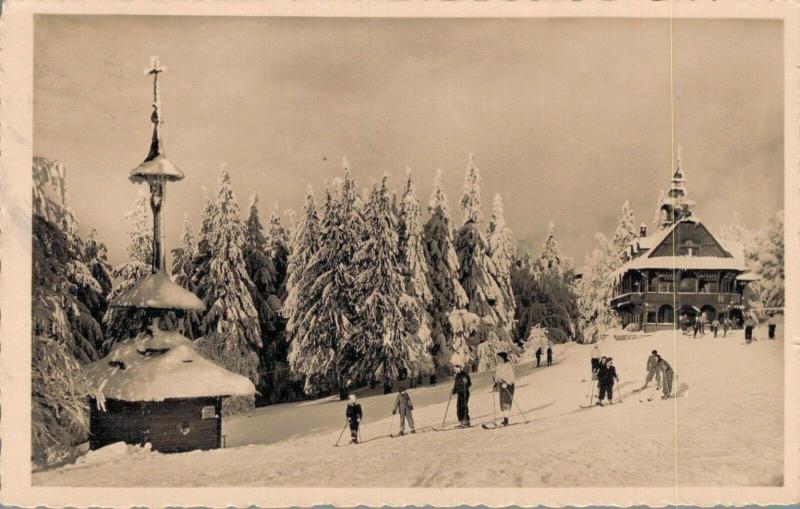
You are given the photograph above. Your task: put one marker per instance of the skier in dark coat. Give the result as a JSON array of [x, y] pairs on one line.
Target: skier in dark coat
[[549, 355], [353, 415], [461, 385], [771, 326], [538, 356], [606, 376], [749, 325], [403, 404]]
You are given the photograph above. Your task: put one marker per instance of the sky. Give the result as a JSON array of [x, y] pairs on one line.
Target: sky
[[567, 118]]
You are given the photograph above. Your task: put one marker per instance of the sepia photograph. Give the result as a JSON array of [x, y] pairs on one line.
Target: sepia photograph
[[408, 252]]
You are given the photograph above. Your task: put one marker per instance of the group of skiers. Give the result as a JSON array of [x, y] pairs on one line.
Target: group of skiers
[[604, 372], [660, 370], [504, 380], [549, 356]]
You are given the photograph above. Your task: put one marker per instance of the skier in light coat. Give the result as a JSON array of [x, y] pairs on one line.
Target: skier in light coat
[[403, 404], [595, 361], [667, 376], [653, 370], [504, 383]]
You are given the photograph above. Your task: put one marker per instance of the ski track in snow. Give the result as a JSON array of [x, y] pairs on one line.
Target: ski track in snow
[[728, 430]]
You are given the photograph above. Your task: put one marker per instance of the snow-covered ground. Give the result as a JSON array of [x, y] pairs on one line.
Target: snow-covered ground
[[727, 430]]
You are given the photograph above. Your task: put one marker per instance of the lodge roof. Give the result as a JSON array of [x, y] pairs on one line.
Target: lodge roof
[[157, 291], [646, 255], [162, 366]]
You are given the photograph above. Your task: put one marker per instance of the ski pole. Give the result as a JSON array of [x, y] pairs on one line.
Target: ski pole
[[591, 394], [494, 417], [391, 421], [340, 434], [515, 402], [447, 408]]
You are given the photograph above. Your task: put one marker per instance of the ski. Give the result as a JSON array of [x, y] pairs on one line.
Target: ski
[[450, 428], [660, 398], [498, 426]]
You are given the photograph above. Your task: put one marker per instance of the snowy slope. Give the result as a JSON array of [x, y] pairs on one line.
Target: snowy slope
[[727, 430]]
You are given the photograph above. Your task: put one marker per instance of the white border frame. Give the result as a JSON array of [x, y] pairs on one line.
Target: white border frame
[[16, 92]]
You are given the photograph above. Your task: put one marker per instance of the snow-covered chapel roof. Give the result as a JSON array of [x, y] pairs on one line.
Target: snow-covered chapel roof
[[162, 366], [157, 291]]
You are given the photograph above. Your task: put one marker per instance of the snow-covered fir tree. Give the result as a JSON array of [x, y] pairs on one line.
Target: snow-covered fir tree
[[476, 275], [500, 243], [303, 244], [550, 259], [411, 247], [595, 288], [384, 341], [277, 241], [232, 333], [416, 273], [765, 255], [123, 323], [658, 222], [446, 291], [182, 271], [318, 350], [68, 279], [95, 256]]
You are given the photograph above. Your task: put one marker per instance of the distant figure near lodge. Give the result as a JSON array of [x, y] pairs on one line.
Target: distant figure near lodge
[[679, 271]]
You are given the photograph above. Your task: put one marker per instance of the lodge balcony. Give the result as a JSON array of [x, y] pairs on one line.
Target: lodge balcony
[[677, 299]]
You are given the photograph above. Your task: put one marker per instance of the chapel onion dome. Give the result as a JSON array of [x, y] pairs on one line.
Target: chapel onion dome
[[158, 291]]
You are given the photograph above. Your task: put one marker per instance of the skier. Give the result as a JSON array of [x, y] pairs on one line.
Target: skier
[[653, 370], [403, 404], [749, 324], [667, 376], [538, 356], [696, 327], [726, 325], [771, 326], [461, 385], [715, 326], [353, 415], [504, 382], [595, 361], [549, 355], [606, 376]]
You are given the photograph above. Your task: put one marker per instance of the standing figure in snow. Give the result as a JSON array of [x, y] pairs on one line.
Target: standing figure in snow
[[606, 376], [595, 361], [771, 326], [403, 404], [653, 370], [504, 382], [715, 326], [549, 355], [538, 356], [667, 376], [461, 385], [726, 325], [353, 415], [749, 325], [696, 327]]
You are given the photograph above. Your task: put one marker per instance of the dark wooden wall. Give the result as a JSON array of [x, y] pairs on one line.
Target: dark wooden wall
[[157, 422]]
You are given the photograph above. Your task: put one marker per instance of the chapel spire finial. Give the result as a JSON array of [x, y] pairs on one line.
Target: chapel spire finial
[[155, 69]]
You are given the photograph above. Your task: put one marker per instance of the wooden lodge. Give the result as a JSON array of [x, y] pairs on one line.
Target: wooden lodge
[[680, 271]]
